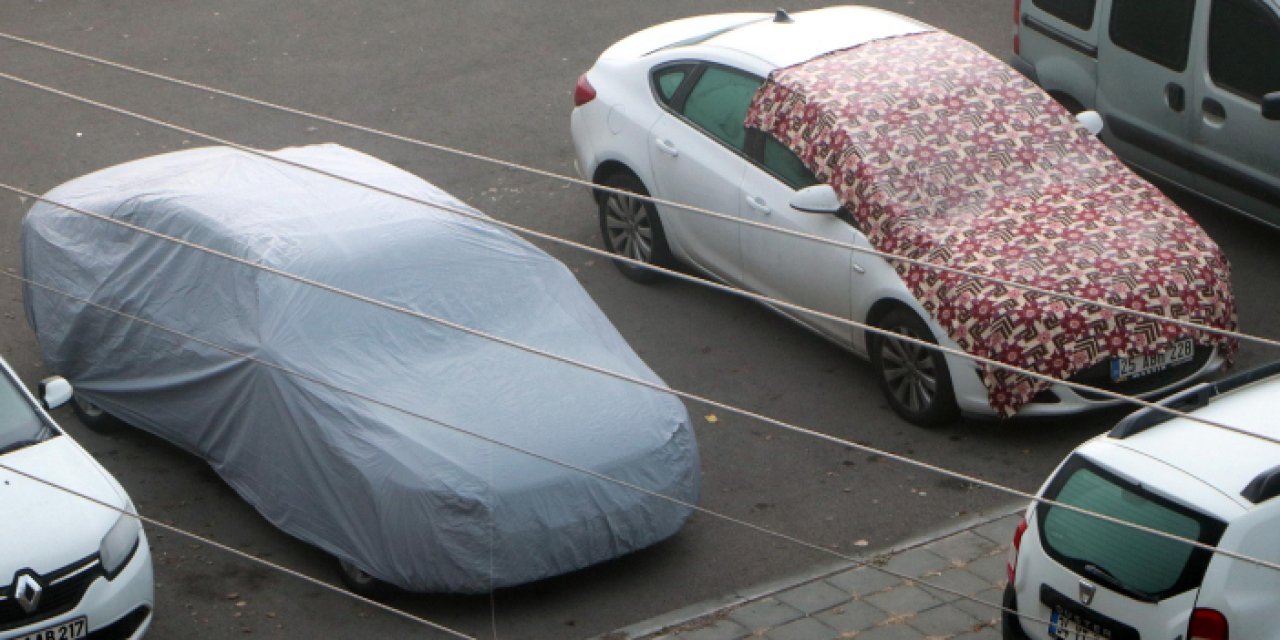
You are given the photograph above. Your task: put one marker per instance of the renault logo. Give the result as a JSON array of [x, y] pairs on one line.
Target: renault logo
[[1086, 592], [27, 592]]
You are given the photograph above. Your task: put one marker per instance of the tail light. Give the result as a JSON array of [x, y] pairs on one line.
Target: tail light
[[1207, 624], [1012, 567], [1017, 16], [583, 92]]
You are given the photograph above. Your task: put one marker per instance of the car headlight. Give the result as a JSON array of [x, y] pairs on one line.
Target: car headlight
[[120, 542]]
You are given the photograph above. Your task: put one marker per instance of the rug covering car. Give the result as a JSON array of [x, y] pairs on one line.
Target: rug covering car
[[944, 154]]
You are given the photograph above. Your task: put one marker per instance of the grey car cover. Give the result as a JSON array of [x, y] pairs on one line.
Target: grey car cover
[[302, 433]]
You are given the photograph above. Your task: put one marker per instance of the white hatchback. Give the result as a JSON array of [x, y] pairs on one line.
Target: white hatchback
[[69, 568], [1073, 575], [662, 112]]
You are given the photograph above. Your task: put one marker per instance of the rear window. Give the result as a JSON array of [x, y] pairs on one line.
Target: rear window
[[1141, 563], [1075, 12]]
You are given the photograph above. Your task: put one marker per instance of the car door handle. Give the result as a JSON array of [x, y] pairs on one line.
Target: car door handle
[[758, 203], [1214, 113], [1175, 97], [667, 147]]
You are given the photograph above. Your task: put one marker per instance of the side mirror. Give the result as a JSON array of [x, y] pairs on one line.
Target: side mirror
[[54, 392], [820, 198], [1271, 106], [1092, 120]]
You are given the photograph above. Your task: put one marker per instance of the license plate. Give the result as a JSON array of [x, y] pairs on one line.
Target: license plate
[[1068, 626], [1181, 352], [76, 628]]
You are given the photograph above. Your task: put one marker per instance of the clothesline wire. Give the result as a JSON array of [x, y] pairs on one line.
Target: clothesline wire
[[627, 485], [694, 209], [603, 188], [233, 551], [655, 386], [475, 215]]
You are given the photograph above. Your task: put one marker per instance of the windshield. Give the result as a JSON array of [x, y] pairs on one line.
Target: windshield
[[20, 424], [1128, 560]]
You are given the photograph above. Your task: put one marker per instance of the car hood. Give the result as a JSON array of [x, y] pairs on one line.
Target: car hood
[[947, 156], [46, 528]]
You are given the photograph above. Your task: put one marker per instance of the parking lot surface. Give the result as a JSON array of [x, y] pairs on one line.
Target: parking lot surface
[[495, 77]]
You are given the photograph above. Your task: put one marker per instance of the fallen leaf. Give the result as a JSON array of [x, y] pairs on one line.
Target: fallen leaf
[[711, 417]]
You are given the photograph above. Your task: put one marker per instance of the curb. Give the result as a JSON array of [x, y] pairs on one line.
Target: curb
[[739, 597]]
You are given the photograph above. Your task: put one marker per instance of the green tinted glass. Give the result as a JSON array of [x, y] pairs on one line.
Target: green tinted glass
[[669, 81], [1139, 560], [718, 104], [786, 165]]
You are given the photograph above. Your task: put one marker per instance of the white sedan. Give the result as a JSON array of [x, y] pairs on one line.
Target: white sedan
[[662, 112], [69, 566]]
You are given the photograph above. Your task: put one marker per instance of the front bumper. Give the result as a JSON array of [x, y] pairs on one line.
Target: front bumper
[[117, 609]]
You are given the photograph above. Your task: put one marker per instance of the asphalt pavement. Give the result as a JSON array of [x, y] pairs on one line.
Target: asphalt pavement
[[495, 77]]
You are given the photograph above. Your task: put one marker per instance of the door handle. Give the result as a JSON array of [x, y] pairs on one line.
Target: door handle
[[667, 147], [858, 269], [1214, 113], [1175, 97], [758, 203]]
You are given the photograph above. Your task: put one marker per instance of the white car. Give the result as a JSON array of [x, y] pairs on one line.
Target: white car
[[1070, 572], [69, 568], [662, 112]]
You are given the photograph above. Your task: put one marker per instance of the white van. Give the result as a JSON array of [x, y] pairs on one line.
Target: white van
[[1189, 89], [1072, 575], [69, 568]]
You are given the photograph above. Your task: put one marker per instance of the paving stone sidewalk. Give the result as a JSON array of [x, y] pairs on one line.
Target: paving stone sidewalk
[[864, 602]]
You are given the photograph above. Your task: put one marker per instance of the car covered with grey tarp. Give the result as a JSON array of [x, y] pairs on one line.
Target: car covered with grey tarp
[[311, 404]]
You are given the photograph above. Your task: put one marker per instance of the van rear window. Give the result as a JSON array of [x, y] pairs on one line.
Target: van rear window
[[1122, 558], [1075, 12]]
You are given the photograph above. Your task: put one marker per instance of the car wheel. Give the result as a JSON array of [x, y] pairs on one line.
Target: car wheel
[[93, 416], [914, 378], [631, 228], [359, 582], [1010, 624]]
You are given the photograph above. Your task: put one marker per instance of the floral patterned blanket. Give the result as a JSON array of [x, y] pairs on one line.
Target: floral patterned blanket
[[946, 155]]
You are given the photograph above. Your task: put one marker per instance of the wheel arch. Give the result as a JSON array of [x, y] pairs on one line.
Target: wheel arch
[[608, 169]]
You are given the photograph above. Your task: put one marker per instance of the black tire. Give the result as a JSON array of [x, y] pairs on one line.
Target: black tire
[[93, 417], [358, 582], [914, 379], [631, 227], [1010, 623]]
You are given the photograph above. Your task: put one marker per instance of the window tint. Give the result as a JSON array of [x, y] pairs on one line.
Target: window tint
[[780, 161], [667, 80], [1141, 561], [18, 421], [1157, 31], [1076, 12], [1244, 48], [718, 104]]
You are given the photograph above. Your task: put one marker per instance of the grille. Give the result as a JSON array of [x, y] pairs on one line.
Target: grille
[[62, 591], [1099, 375]]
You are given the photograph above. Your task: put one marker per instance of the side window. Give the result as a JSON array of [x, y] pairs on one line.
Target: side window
[[718, 104], [1157, 31], [1244, 48], [781, 162], [667, 80], [1075, 12]]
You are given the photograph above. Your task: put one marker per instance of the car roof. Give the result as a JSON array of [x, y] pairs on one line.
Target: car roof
[[808, 35], [1224, 459], [814, 33]]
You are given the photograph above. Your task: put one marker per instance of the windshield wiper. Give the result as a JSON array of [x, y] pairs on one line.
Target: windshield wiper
[[1102, 575]]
